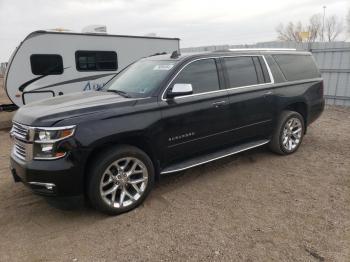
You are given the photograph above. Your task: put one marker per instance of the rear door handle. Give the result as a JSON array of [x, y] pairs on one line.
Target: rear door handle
[[268, 93], [219, 103]]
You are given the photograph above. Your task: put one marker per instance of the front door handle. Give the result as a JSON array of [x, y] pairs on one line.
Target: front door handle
[[219, 103]]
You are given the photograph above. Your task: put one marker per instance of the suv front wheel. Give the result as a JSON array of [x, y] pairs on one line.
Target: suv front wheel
[[288, 134], [120, 180]]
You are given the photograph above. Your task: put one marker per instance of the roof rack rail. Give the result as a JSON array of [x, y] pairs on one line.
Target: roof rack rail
[[262, 49]]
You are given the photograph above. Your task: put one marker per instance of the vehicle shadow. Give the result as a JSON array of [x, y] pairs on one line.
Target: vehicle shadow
[[170, 182]]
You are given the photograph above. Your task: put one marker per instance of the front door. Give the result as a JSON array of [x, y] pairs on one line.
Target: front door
[[195, 123]]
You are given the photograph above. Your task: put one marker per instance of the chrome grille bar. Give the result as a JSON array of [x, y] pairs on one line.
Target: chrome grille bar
[[19, 150], [22, 148], [19, 131]]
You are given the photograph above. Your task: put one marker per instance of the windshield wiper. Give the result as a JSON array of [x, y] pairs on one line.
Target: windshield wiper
[[119, 92]]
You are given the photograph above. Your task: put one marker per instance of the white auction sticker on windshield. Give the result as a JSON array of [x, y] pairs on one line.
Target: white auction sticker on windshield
[[163, 67]]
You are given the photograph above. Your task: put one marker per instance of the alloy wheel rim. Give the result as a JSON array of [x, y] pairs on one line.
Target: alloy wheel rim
[[123, 182], [292, 133]]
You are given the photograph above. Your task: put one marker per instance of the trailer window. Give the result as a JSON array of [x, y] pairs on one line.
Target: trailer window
[[96, 60], [42, 64]]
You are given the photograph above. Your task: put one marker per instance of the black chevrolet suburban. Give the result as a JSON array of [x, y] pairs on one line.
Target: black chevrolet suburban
[[160, 115]]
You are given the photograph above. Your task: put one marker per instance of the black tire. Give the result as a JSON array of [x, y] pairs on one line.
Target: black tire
[[276, 143], [98, 171]]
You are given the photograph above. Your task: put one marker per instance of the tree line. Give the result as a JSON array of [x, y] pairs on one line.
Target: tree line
[[318, 28]]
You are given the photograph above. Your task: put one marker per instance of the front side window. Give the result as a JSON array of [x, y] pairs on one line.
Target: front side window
[[45, 64], [201, 74], [96, 60], [241, 71]]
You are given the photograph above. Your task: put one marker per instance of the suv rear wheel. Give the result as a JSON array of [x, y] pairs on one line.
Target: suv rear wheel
[[120, 180], [288, 134]]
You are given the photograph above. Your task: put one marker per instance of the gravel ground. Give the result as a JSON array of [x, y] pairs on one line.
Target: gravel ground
[[255, 206]]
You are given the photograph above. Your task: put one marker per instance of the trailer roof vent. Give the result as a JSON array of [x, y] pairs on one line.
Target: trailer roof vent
[[94, 29]]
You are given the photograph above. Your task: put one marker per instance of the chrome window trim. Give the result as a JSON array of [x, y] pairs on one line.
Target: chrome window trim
[[272, 81]]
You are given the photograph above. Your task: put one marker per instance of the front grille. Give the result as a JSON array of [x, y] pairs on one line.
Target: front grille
[[20, 131], [19, 149], [22, 148]]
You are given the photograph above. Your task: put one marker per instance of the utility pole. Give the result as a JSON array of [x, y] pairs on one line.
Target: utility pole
[[324, 15]]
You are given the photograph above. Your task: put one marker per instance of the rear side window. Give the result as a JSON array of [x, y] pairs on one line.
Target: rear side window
[[297, 67], [202, 74], [96, 60], [43, 64], [241, 71]]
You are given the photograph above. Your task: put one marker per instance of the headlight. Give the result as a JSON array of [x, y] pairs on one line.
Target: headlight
[[52, 135], [46, 140]]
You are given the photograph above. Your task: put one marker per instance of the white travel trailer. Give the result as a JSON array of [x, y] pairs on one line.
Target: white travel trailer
[[51, 63]]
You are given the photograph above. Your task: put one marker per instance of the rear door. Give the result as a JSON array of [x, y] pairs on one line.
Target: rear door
[[250, 97], [195, 123]]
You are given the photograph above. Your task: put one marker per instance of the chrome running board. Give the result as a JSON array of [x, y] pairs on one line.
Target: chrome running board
[[200, 160]]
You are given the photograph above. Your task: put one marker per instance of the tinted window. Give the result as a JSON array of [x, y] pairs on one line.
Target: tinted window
[[241, 71], [46, 64], [96, 60], [296, 67], [202, 74]]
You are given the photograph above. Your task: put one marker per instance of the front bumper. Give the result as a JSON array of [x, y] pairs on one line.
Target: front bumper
[[52, 178]]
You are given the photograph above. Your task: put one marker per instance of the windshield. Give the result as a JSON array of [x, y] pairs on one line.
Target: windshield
[[141, 78]]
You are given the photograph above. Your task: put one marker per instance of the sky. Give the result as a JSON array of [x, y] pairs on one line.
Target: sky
[[195, 22]]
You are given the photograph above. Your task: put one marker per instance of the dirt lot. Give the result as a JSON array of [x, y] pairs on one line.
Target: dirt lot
[[255, 206]]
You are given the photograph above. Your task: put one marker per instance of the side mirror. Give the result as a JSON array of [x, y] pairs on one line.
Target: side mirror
[[180, 90]]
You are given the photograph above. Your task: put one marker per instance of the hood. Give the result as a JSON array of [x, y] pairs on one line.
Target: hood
[[49, 111]]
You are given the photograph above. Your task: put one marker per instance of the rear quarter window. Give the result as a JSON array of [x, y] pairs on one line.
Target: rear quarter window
[[297, 67]]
